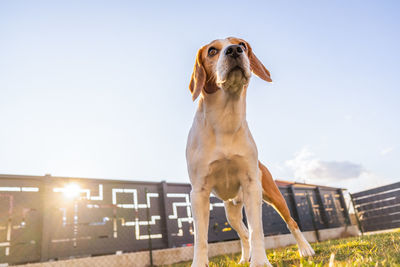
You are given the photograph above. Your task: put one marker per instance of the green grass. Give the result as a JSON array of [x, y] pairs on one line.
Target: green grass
[[368, 250]]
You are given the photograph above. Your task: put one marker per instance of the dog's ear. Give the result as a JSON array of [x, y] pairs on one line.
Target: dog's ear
[[199, 76], [256, 66]]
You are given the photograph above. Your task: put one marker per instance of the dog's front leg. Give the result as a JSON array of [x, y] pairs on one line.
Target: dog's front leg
[[253, 202], [201, 211]]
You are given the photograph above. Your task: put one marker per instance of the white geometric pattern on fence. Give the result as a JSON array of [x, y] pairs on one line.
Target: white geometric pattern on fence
[[174, 215], [135, 206], [188, 217], [9, 226]]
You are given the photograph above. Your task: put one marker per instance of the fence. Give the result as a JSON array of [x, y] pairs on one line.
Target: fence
[[378, 208], [44, 218]]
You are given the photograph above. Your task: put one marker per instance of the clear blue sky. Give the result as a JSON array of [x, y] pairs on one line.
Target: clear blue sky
[[100, 88]]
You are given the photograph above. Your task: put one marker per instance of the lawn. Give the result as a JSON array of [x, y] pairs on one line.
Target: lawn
[[368, 250]]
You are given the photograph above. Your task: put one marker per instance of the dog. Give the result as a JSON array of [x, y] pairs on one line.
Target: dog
[[222, 157]]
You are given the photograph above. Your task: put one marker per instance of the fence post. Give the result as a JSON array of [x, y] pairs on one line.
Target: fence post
[[322, 207], [296, 209], [311, 209], [166, 231], [149, 230], [346, 214], [46, 217], [356, 214]]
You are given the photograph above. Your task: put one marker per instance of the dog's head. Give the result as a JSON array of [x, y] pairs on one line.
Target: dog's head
[[225, 64]]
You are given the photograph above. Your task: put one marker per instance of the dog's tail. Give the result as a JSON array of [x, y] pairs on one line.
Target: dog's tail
[[266, 181], [273, 196]]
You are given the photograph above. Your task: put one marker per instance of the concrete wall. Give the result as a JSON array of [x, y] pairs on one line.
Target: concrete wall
[[174, 255]]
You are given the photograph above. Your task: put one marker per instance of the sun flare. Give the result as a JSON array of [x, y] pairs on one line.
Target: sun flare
[[71, 190]]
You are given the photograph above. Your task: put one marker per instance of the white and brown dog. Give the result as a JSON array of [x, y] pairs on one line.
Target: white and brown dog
[[222, 156]]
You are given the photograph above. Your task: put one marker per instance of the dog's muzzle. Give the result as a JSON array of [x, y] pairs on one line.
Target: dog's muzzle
[[233, 51], [233, 68]]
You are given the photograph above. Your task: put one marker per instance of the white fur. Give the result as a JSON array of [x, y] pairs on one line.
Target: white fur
[[223, 69], [305, 248]]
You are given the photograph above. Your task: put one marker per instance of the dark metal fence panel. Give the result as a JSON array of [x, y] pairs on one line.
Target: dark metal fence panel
[[320, 218], [332, 207], [180, 228], [303, 209], [219, 228], [44, 218], [272, 221], [376, 190], [20, 220], [106, 217], [378, 208]]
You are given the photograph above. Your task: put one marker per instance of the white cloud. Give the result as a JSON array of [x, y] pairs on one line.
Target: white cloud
[[345, 174], [306, 166]]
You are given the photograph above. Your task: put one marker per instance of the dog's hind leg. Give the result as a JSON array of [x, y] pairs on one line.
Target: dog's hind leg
[[273, 196], [234, 215]]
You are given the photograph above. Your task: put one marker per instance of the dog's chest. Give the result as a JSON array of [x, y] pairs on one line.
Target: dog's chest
[[229, 160], [225, 174]]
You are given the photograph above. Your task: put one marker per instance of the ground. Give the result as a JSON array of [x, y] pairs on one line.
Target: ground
[[368, 250]]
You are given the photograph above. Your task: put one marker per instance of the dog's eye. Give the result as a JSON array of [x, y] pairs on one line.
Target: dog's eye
[[212, 51], [243, 44]]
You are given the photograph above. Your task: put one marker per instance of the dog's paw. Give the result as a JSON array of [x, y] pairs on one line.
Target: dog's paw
[[260, 262], [305, 250], [245, 256], [243, 261], [200, 261]]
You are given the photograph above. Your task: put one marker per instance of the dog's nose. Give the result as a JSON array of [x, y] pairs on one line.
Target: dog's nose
[[234, 51]]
